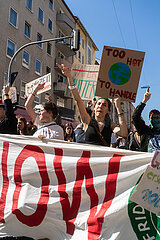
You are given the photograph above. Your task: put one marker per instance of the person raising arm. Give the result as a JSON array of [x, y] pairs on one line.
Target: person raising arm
[[98, 130], [45, 122]]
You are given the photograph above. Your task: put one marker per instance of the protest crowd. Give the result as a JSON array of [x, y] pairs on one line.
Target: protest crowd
[[95, 127]]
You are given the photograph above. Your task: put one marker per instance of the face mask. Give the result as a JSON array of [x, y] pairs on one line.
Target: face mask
[[155, 124]]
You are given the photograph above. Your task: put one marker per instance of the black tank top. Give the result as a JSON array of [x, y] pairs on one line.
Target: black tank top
[[92, 137]]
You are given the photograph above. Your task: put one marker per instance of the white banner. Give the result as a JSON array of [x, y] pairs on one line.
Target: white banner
[[60, 190]]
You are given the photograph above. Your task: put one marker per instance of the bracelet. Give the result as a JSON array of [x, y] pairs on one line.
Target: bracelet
[[6, 94], [33, 94], [72, 87], [119, 114]]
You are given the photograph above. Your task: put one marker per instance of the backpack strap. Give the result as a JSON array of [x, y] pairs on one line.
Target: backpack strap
[[100, 135]]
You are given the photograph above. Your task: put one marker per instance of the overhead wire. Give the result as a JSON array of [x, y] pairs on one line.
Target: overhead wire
[[134, 27], [118, 23], [134, 24]]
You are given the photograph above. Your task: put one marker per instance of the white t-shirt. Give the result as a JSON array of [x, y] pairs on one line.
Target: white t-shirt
[[49, 130]]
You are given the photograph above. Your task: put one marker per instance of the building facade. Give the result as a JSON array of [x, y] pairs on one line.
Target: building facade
[[26, 21], [86, 53]]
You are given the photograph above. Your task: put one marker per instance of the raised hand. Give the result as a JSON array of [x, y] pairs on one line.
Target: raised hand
[[147, 96]]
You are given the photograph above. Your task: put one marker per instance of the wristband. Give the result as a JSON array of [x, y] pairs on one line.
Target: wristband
[[119, 114], [6, 94], [72, 87]]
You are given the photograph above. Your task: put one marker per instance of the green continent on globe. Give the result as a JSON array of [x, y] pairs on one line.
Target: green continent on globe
[[119, 73]]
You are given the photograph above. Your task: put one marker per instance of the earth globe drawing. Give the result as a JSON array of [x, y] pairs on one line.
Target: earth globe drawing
[[119, 73]]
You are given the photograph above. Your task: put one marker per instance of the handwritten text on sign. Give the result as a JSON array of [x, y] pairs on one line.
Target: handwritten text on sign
[[119, 73], [85, 78], [29, 87], [147, 193]]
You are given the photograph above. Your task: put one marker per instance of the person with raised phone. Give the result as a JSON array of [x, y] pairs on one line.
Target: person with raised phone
[[149, 135], [98, 130], [45, 122]]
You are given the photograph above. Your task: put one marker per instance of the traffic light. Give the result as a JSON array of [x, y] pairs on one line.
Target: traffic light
[[75, 40]]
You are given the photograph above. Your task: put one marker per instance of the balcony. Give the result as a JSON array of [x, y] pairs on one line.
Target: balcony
[[66, 112], [60, 89], [64, 47], [65, 23]]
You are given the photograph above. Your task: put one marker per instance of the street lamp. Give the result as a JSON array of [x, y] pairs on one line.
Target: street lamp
[[74, 45]]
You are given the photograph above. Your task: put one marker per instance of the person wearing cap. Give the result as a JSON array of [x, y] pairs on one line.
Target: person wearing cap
[[8, 120], [46, 120], [149, 135], [98, 130]]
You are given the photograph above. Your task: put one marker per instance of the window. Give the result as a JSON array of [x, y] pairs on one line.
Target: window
[[13, 17], [27, 30], [48, 69], [79, 56], [29, 4], [49, 25], [26, 57], [82, 59], [89, 55], [60, 55], [23, 84], [38, 66], [39, 38], [51, 4], [37, 99], [40, 15], [82, 43], [47, 96], [10, 48], [49, 48], [61, 35], [60, 102], [61, 79]]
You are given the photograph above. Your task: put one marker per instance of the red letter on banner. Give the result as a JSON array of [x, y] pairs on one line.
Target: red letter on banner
[[83, 170], [36, 218], [95, 221], [5, 180]]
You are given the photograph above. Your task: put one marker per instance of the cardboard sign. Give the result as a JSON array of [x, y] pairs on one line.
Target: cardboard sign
[[85, 78], [147, 193], [156, 159], [29, 88], [12, 95], [119, 73]]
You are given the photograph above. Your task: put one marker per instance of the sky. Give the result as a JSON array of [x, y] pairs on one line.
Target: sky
[[130, 24]]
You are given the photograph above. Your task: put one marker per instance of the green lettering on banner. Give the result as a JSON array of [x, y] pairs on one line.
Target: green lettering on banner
[[79, 85], [84, 88], [93, 89], [145, 224], [87, 88]]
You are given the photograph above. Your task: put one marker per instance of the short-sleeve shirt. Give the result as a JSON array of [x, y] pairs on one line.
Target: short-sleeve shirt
[[49, 130]]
